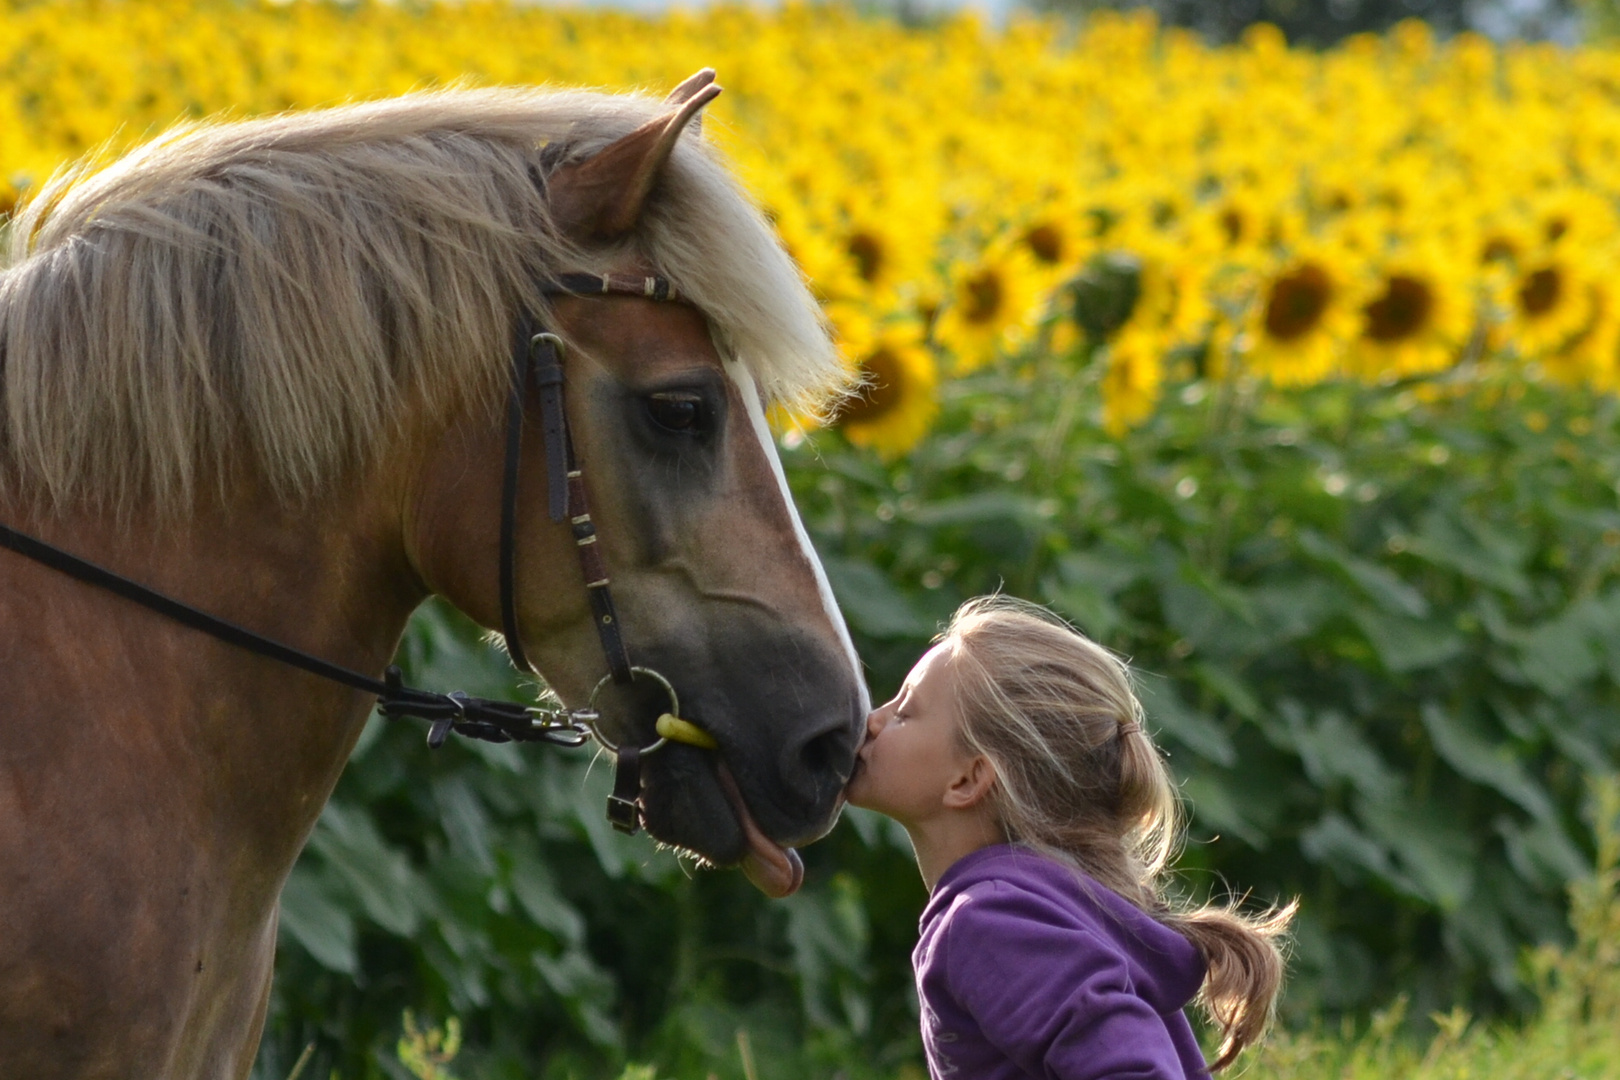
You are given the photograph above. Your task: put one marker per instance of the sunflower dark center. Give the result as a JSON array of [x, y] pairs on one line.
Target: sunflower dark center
[[1046, 242], [1498, 249], [1297, 302], [882, 390], [1232, 225], [869, 255], [983, 296], [1402, 311], [1540, 290]]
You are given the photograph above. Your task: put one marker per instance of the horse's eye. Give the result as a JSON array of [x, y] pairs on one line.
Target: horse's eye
[[676, 411]]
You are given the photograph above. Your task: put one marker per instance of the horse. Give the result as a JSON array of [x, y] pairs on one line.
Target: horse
[[260, 367]]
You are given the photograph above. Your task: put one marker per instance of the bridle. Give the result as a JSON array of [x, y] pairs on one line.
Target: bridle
[[538, 354], [537, 359]]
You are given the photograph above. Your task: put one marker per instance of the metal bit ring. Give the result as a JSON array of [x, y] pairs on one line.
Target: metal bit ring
[[594, 722]]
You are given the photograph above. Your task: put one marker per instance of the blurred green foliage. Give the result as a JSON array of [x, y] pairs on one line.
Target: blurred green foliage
[[1576, 1030], [1377, 630], [1575, 1033]]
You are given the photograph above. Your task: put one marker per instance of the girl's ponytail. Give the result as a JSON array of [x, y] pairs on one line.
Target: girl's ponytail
[[1245, 969]]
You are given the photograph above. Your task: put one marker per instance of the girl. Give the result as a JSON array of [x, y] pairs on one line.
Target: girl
[[1043, 817]]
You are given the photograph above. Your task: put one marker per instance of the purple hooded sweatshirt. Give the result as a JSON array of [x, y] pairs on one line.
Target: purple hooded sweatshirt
[[1027, 968]]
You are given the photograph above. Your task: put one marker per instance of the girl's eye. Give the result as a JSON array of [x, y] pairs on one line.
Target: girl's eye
[[676, 410]]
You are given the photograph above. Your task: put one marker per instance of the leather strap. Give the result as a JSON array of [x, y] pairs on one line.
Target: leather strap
[[481, 718], [542, 355], [566, 496], [516, 402], [624, 805]]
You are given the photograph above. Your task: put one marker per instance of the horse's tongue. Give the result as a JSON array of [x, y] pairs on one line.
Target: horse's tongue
[[775, 870]]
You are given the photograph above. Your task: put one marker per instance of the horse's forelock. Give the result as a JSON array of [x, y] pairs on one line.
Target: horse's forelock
[[283, 288]]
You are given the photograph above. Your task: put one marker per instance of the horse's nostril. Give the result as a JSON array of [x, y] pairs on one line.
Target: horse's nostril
[[820, 752], [822, 760]]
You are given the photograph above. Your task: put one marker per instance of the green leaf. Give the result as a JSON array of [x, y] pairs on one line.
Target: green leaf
[[1197, 732], [1292, 609], [1542, 852], [1482, 926], [872, 603], [1209, 613], [585, 990], [977, 509], [1083, 588], [389, 891], [1105, 570], [1406, 645], [535, 886], [1231, 688], [1460, 742], [1087, 608], [1443, 542], [1379, 584], [1435, 851], [583, 793], [1601, 617], [317, 920], [1332, 749], [1335, 842], [876, 830], [1558, 654], [827, 932], [444, 650], [1215, 806], [465, 821]]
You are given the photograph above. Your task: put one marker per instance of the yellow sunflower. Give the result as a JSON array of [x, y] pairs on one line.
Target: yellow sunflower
[[897, 401], [824, 265], [1300, 320], [1415, 321], [1049, 240], [990, 305], [883, 243], [1056, 240], [1591, 355], [1545, 303], [1133, 378]]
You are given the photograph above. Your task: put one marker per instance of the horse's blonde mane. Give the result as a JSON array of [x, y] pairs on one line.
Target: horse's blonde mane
[[278, 294]]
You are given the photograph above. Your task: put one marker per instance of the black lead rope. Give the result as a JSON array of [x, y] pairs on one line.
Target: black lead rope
[[479, 718]]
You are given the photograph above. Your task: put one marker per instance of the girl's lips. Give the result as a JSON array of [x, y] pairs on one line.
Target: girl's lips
[[774, 870]]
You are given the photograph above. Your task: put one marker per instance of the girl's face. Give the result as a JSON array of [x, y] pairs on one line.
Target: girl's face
[[912, 752]]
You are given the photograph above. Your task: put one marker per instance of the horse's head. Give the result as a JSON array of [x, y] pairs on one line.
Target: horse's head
[[716, 584]]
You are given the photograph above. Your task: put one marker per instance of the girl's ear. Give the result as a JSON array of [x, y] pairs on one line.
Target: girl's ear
[[972, 785]]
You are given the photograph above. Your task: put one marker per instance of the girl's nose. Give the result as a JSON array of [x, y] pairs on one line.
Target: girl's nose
[[874, 723]]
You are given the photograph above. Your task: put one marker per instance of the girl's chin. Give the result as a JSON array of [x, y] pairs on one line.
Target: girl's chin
[[855, 789]]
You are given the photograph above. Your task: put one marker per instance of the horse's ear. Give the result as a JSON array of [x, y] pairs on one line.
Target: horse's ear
[[699, 80], [689, 86], [601, 198]]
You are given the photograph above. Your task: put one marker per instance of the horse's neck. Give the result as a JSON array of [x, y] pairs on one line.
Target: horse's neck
[[157, 784], [260, 742]]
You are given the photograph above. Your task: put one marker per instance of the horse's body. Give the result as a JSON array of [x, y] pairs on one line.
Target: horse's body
[[294, 425]]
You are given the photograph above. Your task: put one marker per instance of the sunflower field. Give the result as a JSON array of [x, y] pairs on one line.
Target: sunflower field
[[1289, 374]]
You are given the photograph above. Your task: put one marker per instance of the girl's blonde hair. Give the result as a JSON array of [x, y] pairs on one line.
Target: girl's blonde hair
[[1078, 777]]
